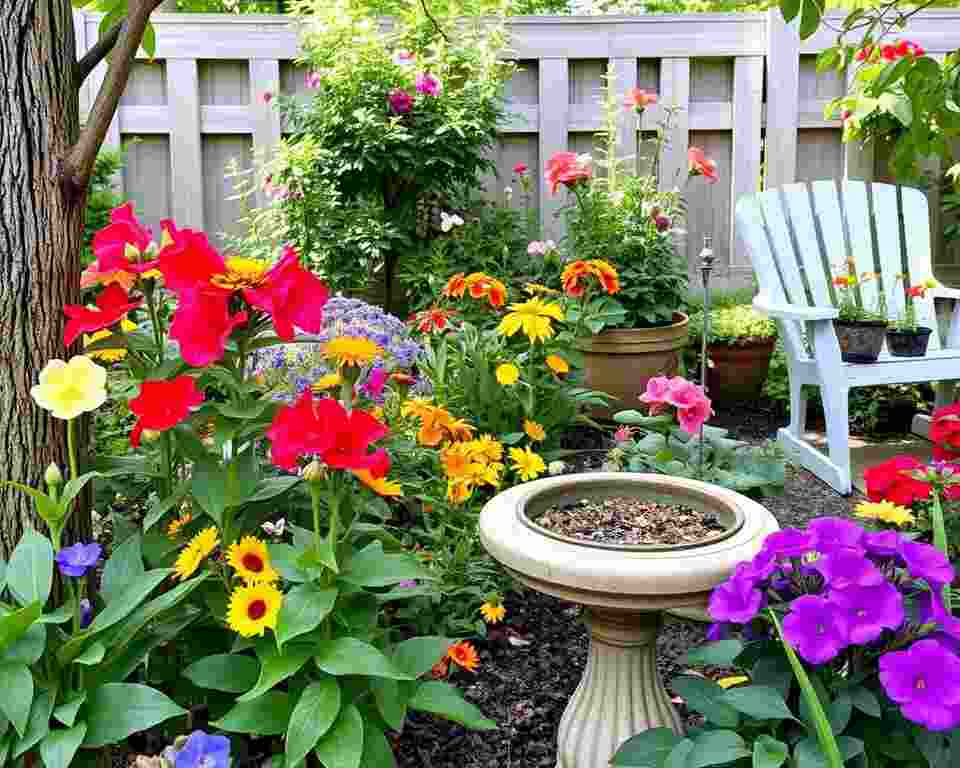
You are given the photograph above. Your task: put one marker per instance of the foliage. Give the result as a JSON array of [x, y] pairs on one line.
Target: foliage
[[101, 198], [734, 326], [850, 299]]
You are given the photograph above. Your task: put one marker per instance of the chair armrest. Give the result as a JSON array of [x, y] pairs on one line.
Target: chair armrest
[[942, 292], [794, 311]]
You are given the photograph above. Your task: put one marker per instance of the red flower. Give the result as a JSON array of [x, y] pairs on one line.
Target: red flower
[[845, 115], [569, 169], [890, 481], [864, 53], [701, 165], [120, 244], [943, 454], [639, 99], [888, 52], [112, 304], [188, 261], [161, 405], [291, 295], [202, 323], [917, 291], [520, 169], [323, 428], [432, 320], [945, 426]]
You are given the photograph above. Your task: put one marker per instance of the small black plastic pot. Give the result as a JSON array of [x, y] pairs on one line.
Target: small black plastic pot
[[860, 340], [903, 343]]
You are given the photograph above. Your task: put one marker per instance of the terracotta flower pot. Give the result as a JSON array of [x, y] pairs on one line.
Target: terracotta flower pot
[[738, 372], [620, 361], [860, 341], [903, 343]]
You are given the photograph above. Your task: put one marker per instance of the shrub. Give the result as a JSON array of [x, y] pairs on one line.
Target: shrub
[[734, 326]]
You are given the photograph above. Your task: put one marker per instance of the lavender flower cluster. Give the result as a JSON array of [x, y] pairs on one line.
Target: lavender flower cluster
[[849, 588]]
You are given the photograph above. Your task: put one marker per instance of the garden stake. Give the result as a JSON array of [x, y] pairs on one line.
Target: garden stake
[[706, 267]]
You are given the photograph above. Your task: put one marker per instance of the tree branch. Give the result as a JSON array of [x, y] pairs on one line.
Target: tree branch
[[436, 24], [78, 165], [95, 55]]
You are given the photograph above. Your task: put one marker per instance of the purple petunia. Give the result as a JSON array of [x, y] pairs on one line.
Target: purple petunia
[[926, 562], [203, 750], [925, 681], [816, 628], [736, 600], [832, 532], [882, 543], [846, 567], [719, 630], [869, 610], [789, 542], [78, 559], [428, 84]]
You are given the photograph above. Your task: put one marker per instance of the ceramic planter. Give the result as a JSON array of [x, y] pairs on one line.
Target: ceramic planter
[[860, 341], [620, 361], [624, 590], [738, 372], [902, 343]]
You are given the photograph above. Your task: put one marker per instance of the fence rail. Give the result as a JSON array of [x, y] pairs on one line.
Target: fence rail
[[748, 89]]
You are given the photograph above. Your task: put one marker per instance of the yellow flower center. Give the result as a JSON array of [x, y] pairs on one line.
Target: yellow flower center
[[241, 273]]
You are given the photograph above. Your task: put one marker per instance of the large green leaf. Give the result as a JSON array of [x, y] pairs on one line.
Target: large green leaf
[[342, 745], [230, 672], [315, 713], [445, 700], [59, 746], [162, 506], [647, 748], [266, 716], [28, 648], [768, 752], [116, 710], [417, 655], [716, 748], [349, 656], [67, 713], [16, 682], [718, 654], [209, 488], [706, 697], [38, 726], [125, 567], [303, 608], [376, 749], [92, 655], [809, 11], [370, 567], [866, 701], [272, 487], [122, 634], [126, 602], [30, 574], [390, 697], [759, 702], [808, 753], [276, 667], [14, 625], [73, 487]]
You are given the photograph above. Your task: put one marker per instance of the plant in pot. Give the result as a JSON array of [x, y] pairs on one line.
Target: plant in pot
[[905, 338], [739, 347], [630, 223], [860, 331]]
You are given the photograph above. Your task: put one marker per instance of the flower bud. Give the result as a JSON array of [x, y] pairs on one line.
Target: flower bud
[[53, 476], [150, 436], [314, 471]]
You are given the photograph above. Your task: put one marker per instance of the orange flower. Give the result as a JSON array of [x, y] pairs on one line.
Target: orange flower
[[432, 320], [639, 99], [574, 278], [569, 169], [481, 285], [455, 286], [464, 655], [557, 364], [379, 485], [701, 165], [607, 275]]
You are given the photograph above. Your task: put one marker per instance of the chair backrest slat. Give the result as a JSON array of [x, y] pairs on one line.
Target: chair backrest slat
[[856, 206], [796, 202], [827, 209], [782, 246], [916, 244], [752, 229], [886, 215]]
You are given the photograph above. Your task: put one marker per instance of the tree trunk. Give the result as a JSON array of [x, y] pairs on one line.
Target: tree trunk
[[41, 229]]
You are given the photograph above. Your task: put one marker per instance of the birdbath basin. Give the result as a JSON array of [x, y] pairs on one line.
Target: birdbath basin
[[625, 589]]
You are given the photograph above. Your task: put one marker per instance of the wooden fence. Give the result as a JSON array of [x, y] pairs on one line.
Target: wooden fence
[[748, 89]]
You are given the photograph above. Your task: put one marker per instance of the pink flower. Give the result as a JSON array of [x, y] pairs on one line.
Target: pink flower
[[694, 416], [623, 434], [701, 165], [682, 393], [656, 393], [313, 79], [400, 101], [662, 223], [428, 84], [267, 97], [639, 99], [520, 169], [569, 169]]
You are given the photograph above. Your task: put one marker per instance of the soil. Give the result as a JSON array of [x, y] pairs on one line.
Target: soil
[[630, 520]]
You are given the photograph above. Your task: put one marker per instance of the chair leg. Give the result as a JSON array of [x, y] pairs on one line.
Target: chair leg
[[836, 409], [798, 409]]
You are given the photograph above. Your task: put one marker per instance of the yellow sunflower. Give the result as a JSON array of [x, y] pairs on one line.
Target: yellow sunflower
[[254, 608], [493, 612], [251, 560], [177, 525], [507, 374], [533, 317], [241, 273], [526, 463], [557, 364], [378, 485], [351, 350], [193, 554], [328, 381], [534, 431]]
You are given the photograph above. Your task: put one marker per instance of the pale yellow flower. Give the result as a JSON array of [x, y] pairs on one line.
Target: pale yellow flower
[[69, 389]]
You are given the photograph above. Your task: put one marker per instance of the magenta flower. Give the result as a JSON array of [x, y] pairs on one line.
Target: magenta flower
[[882, 543], [400, 101], [925, 681], [719, 630], [694, 416], [682, 393], [815, 628], [845, 567], [736, 600], [77, 560], [267, 97], [376, 380], [832, 532], [760, 568], [656, 394], [313, 79], [926, 562], [790, 542], [662, 223], [428, 84], [869, 610]]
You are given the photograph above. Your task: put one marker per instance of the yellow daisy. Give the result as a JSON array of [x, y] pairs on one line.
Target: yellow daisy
[[328, 381], [193, 554], [177, 525], [885, 511], [557, 364], [491, 449], [241, 273], [534, 431], [526, 463], [351, 350], [533, 317], [254, 608], [378, 485], [493, 612], [251, 560], [507, 374]]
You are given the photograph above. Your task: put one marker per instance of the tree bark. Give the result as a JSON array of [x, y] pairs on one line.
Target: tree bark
[[41, 229]]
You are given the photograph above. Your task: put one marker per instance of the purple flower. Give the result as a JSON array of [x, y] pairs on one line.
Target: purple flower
[[926, 562], [815, 628], [832, 532], [400, 101], [869, 610], [313, 79], [77, 560], [719, 630], [735, 600], [86, 613], [882, 543], [790, 542], [925, 681], [373, 386], [846, 567], [760, 568], [408, 584], [427, 84], [204, 751]]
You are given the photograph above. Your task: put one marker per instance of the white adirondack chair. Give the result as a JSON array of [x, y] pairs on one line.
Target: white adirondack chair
[[798, 236]]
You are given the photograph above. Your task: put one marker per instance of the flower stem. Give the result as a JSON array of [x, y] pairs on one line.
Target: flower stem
[[155, 322], [166, 451], [315, 493], [940, 537], [72, 448]]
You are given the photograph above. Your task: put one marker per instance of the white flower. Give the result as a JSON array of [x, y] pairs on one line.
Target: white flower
[[536, 248], [449, 220], [616, 197], [508, 193], [275, 529], [556, 467], [550, 245]]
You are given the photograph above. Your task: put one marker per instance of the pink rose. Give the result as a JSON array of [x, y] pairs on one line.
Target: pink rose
[[701, 165], [682, 393], [400, 101], [569, 169]]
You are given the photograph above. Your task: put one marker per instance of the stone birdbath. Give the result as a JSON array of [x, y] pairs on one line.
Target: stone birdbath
[[625, 589]]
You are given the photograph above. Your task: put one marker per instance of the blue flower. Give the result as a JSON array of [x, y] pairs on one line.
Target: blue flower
[[86, 613], [204, 751], [77, 560]]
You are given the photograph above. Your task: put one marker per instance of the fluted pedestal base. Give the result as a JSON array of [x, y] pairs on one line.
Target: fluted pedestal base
[[620, 693]]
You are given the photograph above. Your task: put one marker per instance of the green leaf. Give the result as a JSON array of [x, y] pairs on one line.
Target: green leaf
[[774, 672], [266, 716], [149, 45], [706, 697], [128, 600], [716, 654], [73, 487], [125, 567], [284, 559], [841, 708], [67, 713], [445, 700], [808, 753], [390, 700], [759, 702], [349, 656], [272, 487], [275, 668], [162, 506], [62, 615], [866, 701], [16, 682], [122, 633], [768, 752], [303, 608], [38, 726], [417, 655], [370, 567], [342, 745], [116, 710], [647, 748], [58, 747], [92, 655], [315, 713], [14, 625], [30, 574], [678, 756], [376, 749], [716, 748], [209, 487], [28, 648], [230, 672]]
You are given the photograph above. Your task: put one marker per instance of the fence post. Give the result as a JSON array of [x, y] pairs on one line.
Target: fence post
[[625, 72], [783, 100], [675, 91], [264, 78], [186, 142], [554, 109], [747, 116]]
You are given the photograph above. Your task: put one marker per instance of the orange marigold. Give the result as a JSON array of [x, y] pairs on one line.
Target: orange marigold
[[455, 286], [464, 655]]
